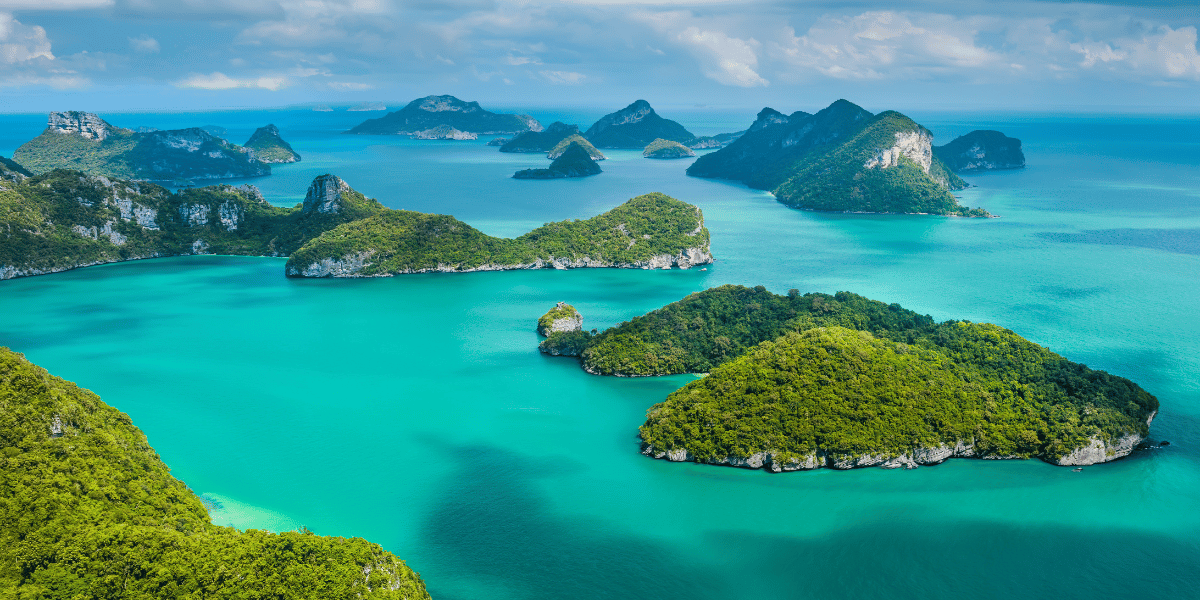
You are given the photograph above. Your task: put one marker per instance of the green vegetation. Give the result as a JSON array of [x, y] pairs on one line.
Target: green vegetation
[[634, 127], [648, 226], [124, 154], [541, 141], [88, 510], [844, 393], [838, 180], [573, 162], [63, 219], [269, 147], [981, 150], [577, 140], [661, 148], [819, 162], [561, 312]]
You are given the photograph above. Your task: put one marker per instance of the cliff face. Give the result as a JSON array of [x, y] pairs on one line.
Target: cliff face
[[85, 142], [982, 150], [635, 126], [430, 112], [563, 317]]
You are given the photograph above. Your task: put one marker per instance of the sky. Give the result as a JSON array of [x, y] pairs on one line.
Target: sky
[[107, 55]]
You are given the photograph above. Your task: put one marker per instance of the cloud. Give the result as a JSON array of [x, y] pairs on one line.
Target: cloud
[[724, 59], [1163, 51], [145, 44], [521, 60], [563, 77], [221, 81], [53, 4], [20, 43], [349, 86]]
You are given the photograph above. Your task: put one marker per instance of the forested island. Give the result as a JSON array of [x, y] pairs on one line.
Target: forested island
[[89, 510], [424, 114], [85, 142], [269, 147], [574, 140], [572, 162], [843, 159], [540, 141], [982, 150], [652, 231], [661, 148], [634, 127], [810, 380]]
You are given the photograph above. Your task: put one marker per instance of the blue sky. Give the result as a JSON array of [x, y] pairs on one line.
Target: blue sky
[[194, 54]]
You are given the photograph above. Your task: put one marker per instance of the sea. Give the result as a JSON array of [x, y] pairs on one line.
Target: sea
[[416, 412]]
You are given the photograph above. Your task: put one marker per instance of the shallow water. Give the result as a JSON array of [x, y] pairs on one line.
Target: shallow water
[[416, 412]]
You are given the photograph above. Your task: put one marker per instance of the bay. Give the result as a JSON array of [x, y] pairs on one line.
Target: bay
[[416, 411]]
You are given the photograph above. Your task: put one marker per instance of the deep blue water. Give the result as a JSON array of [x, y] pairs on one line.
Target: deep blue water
[[416, 412]]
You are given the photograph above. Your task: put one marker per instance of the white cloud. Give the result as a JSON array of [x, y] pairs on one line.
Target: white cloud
[[349, 86], [53, 4], [565, 77], [521, 60], [724, 59], [20, 43], [145, 44], [221, 81], [1163, 51]]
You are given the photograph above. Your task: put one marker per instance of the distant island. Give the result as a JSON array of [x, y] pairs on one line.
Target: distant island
[[661, 148], [574, 162], [574, 140], [804, 381], [540, 141], [634, 127], [64, 220], [982, 150], [90, 510], [367, 107], [430, 112], [652, 231], [85, 142], [269, 147], [444, 132], [841, 159]]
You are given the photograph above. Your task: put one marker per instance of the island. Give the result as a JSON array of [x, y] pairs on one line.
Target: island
[[562, 318], [90, 510], [367, 107], [444, 132], [661, 148], [982, 150], [269, 147], [429, 112], [634, 127], [64, 220], [574, 162], [576, 140], [85, 142], [804, 381], [540, 141], [652, 231], [841, 159], [720, 140]]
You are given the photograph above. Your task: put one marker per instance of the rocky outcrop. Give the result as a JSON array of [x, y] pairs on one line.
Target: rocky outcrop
[[563, 317], [194, 215], [325, 195], [982, 150], [84, 124], [347, 266], [917, 146]]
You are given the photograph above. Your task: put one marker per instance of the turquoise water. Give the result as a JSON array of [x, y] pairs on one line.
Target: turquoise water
[[416, 412]]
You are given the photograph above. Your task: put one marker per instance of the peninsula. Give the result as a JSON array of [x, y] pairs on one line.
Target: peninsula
[[841, 159], [652, 231], [85, 142], [90, 510], [430, 112], [814, 380]]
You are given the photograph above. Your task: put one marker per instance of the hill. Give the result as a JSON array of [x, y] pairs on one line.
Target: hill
[[652, 231], [89, 510], [430, 112], [661, 148], [269, 147], [85, 142], [982, 150], [843, 159], [634, 127], [540, 141], [573, 162], [577, 140]]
